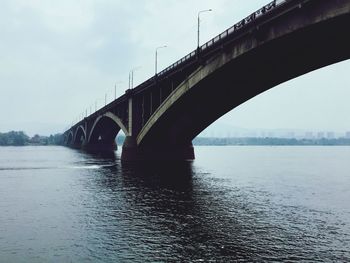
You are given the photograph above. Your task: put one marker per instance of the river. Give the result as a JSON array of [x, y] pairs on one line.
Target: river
[[233, 203]]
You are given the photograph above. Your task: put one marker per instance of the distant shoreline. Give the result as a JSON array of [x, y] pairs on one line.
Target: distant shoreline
[[19, 138], [254, 141], [211, 141]]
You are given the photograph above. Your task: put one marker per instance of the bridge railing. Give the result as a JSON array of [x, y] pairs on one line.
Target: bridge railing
[[228, 32]]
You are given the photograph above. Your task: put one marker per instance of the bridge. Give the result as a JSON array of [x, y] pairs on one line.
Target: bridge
[[161, 116]]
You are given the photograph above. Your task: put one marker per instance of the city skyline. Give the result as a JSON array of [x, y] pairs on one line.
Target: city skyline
[[214, 131]]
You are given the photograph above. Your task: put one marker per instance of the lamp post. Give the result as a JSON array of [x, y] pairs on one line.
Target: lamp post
[[115, 89], [97, 101], [198, 24], [131, 77], [156, 59]]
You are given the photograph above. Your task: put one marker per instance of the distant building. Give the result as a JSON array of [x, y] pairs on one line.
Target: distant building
[[320, 135], [308, 135], [35, 139], [330, 135], [347, 135], [291, 135], [270, 135]]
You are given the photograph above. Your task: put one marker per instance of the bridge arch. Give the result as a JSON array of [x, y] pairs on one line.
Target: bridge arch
[[259, 60], [79, 135], [105, 129], [70, 138]]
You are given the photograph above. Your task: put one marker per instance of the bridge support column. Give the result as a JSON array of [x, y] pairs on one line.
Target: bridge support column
[[131, 152], [75, 146], [100, 147]]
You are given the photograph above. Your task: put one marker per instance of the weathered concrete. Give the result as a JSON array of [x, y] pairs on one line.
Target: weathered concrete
[[161, 116]]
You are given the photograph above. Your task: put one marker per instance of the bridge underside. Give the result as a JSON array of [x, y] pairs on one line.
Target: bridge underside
[[263, 67], [176, 152]]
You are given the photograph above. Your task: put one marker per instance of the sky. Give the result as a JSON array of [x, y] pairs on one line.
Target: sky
[[60, 58]]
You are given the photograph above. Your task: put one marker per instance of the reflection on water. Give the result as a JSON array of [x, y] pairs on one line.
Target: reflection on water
[[91, 207]]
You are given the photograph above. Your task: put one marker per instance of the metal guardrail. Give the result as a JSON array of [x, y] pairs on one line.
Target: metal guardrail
[[228, 32]]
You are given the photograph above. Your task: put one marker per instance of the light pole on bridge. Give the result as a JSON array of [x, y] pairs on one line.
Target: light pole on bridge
[[131, 77], [115, 89], [156, 58], [198, 24], [96, 102]]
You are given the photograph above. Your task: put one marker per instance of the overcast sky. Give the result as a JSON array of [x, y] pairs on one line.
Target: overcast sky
[[58, 57]]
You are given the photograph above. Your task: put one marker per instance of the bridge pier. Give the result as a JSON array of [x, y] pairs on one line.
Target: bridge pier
[[95, 147], [100, 147], [132, 152], [75, 146]]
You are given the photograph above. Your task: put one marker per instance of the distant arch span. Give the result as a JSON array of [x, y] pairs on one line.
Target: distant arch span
[[80, 135], [98, 128], [70, 138]]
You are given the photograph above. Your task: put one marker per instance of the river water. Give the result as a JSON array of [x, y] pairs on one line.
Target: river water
[[233, 203]]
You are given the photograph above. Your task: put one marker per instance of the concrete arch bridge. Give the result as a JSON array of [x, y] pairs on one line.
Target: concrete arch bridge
[[160, 117]]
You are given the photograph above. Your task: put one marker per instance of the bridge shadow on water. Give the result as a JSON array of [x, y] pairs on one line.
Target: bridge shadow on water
[[172, 211], [174, 175]]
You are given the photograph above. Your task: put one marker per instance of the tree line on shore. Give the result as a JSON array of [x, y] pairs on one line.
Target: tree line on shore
[[20, 138]]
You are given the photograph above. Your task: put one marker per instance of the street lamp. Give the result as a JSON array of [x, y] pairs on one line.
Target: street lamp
[[115, 89], [131, 77], [96, 102], [157, 57], [198, 24]]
